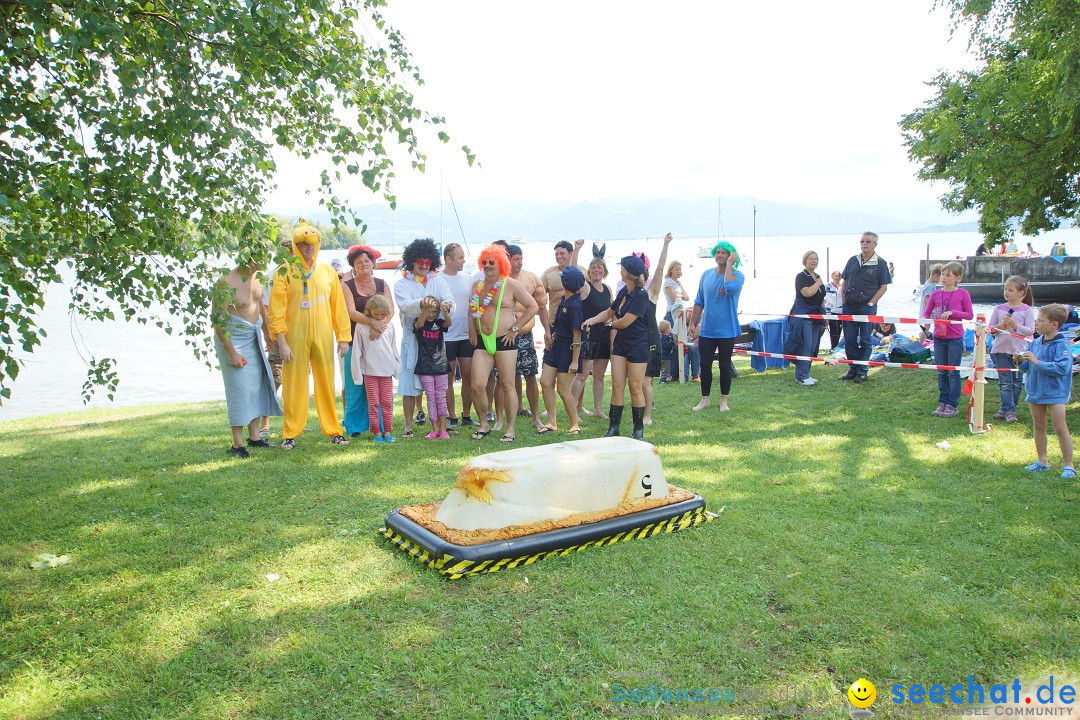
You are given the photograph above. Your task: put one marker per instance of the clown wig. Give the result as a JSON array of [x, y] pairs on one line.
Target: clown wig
[[497, 253], [421, 249]]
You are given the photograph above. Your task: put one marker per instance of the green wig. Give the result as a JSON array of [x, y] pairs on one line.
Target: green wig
[[725, 245]]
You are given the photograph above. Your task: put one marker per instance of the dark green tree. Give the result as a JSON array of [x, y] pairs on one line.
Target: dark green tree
[[1006, 136], [136, 141]]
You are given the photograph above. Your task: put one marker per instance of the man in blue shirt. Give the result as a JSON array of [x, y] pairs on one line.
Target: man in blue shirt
[[715, 321], [866, 278]]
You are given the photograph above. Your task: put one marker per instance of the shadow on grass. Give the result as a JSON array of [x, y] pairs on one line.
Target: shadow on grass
[[851, 546]]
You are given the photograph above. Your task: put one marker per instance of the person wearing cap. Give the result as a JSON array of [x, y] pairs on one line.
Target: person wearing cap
[[630, 352], [339, 268], [493, 331], [527, 365], [418, 280], [565, 256], [358, 288], [866, 278], [562, 361], [307, 314], [714, 322]]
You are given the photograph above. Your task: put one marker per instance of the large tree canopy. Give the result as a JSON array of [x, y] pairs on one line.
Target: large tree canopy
[[136, 144], [1006, 137]]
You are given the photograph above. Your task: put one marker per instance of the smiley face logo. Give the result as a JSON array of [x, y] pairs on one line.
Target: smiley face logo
[[862, 693]]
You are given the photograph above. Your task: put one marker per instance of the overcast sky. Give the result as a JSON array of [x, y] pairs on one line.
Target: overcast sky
[[789, 101]]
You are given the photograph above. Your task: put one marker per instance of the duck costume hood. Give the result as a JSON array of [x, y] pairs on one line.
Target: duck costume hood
[[305, 233]]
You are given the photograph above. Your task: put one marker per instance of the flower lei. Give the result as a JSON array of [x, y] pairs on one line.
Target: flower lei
[[478, 307], [417, 278]]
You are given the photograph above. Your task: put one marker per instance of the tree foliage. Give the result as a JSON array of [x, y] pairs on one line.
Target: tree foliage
[[1006, 137], [136, 141]]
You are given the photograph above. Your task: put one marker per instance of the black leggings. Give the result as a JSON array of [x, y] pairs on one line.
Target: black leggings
[[708, 347]]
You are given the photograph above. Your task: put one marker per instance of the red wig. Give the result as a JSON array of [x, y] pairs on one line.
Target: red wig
[[498, 253]]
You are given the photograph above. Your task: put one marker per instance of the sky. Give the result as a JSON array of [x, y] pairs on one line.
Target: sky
[[787, 101]]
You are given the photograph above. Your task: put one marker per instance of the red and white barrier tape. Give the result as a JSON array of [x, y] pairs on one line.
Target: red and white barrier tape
[[864, 318], [868, 363]]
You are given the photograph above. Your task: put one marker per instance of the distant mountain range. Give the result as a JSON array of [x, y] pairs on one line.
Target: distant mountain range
[[615, 219]]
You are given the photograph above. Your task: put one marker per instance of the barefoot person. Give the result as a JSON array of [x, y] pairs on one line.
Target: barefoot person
[[598, 300], [493, 331], [562, 361], [238, 339], [307, 312], [652, 370], [714, 323]]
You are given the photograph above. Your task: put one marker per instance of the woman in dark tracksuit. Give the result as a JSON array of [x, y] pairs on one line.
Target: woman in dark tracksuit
[[630, 352]]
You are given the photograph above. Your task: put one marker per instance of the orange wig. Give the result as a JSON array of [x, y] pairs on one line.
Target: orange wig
[[498, 254]]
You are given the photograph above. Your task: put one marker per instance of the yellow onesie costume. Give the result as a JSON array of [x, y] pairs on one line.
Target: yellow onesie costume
[[308, 306]]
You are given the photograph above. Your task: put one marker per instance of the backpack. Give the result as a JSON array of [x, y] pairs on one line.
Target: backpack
[[909, 352]]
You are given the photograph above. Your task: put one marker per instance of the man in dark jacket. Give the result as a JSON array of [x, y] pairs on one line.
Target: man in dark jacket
[[866, 278]]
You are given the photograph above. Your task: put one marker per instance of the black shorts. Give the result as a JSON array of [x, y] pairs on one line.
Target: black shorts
[[603, 343], [527, 365], [559, 356], [655, 363], [458, 349], [633, 352], [500, 344]]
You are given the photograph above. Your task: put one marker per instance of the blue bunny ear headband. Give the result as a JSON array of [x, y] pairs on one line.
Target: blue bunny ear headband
[[599, 250]]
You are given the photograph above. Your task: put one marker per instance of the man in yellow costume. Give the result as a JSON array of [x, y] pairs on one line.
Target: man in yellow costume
[[307, 312]]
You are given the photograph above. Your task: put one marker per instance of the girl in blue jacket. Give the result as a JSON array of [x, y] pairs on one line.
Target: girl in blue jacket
[[1048, 381]]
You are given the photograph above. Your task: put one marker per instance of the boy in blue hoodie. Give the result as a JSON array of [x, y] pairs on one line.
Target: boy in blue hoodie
[[1048, 381]]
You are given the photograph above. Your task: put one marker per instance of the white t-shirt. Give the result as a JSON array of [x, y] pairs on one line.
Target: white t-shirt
[[461, 286]]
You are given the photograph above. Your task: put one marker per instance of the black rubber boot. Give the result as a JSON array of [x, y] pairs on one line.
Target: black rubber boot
[[614, 420], [639, 422]]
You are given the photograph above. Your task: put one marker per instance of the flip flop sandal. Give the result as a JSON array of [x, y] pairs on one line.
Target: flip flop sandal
[[407, 434], [544, 430], [508, 438], [480, 434], [289, 444], [339, 440], [575, 431]]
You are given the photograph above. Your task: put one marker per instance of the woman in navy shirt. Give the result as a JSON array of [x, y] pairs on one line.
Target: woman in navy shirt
[[630, 352]]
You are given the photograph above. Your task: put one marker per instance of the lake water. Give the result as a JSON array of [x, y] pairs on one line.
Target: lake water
[[157, 368]]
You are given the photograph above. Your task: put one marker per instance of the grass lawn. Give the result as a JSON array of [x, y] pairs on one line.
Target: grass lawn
[[851, 546]]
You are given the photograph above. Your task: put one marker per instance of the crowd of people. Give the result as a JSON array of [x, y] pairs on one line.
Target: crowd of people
[[482, 328]]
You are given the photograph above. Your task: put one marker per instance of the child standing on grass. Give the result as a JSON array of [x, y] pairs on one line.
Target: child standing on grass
[[951, 302], [432, 365], [1047, 365], [378, 361], [1015, 315]]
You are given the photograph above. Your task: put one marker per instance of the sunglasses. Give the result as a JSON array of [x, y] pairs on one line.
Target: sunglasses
[[422, 264], [488, 263]]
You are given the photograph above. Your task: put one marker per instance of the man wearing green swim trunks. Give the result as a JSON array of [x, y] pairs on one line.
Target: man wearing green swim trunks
[[493, 331]]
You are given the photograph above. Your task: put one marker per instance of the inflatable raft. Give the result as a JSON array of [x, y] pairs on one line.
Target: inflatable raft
[[515, 507]]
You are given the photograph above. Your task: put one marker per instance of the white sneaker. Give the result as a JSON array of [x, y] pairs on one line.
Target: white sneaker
[[807, 381]]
